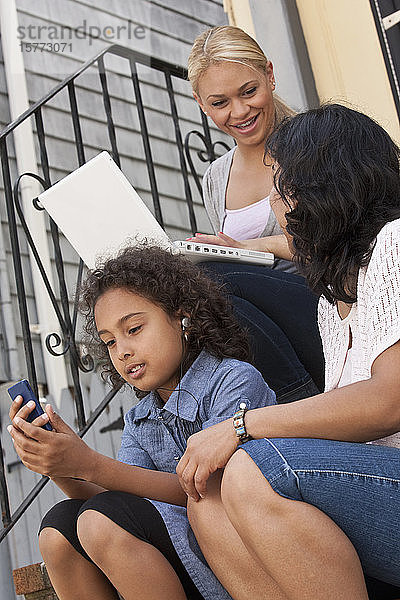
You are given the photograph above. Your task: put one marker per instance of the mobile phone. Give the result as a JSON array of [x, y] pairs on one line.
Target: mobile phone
[[22, 388]]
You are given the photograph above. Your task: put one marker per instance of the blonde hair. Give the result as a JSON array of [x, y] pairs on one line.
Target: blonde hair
[[230, 44]]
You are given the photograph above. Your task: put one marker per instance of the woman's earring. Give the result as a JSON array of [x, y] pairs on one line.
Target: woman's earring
[[185, 323]]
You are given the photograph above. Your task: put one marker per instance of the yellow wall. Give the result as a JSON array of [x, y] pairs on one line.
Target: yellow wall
[[347, 59], [239, 15]]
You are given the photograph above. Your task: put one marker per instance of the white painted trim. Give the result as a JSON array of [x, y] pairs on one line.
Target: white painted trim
[[55, 369]]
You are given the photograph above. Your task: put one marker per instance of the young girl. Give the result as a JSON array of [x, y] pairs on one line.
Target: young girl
[[163, 327]]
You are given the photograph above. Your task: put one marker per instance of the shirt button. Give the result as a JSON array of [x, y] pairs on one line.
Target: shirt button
[[159, 417], [177, 458]]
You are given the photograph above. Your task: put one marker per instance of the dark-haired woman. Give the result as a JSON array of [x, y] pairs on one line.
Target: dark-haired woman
[[313, 499]]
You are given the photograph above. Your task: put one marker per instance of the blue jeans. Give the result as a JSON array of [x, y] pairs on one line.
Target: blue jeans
[[280, 313], [356, 485]]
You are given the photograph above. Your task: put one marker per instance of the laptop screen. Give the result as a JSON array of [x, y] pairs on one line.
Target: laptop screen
[[99, 211]]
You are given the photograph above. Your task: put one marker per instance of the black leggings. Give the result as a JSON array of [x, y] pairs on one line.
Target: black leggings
[[141, 519], [136, 515]]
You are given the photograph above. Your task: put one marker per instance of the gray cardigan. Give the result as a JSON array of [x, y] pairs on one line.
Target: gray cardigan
[[215, 182]]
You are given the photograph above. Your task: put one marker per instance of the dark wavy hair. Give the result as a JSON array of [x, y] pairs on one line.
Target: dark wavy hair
[[176, 285], [338, 173]]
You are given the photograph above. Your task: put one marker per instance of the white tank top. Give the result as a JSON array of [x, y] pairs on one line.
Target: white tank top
[[248, 222]]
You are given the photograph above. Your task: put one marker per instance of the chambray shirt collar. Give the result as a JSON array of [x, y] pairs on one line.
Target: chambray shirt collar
[[195, 381]]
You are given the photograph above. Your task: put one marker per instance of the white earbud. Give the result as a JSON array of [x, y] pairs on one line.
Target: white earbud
[[185, 323]]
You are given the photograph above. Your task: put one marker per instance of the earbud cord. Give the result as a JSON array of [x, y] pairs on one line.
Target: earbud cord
[[182, 390], [179, 383]]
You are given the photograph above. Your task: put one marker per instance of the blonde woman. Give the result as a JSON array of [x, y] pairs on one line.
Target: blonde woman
[[234, 83]]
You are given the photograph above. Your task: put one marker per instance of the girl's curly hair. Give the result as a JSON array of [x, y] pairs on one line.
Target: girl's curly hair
[[338, 173], [178, 287]]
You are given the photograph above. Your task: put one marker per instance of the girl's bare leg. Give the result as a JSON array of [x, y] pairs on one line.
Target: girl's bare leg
[[299, 546], [136, 569], [72, 576], [238, 571]]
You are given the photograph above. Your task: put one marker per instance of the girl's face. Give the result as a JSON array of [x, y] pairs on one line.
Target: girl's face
[[144, 343], [239, 100]]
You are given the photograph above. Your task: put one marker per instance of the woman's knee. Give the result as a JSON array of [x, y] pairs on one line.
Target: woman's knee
[[243, 485], [235, 484], [201, 513]]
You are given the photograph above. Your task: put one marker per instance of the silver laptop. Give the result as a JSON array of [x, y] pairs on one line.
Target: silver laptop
[[99, 212]]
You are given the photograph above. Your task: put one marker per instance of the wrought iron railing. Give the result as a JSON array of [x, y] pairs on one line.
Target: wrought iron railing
[[66, 343]]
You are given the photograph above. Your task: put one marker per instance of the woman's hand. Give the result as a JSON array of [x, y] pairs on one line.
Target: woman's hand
[[206, 452], [57, 453], [277, 244], [221, 239]]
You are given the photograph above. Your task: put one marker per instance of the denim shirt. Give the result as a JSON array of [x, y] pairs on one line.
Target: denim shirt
[[155, 437]]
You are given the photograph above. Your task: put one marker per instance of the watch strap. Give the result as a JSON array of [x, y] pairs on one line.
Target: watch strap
[[239, 424]]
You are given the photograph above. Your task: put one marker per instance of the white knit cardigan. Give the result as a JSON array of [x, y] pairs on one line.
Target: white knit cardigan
[[374, 318]]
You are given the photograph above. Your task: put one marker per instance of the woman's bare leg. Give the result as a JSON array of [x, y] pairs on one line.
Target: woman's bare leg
[[136, 569], [299, 546], [240, 574], [72, 576]]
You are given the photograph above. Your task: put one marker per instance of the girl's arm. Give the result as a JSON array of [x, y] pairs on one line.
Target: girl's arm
[[71, 487], [359, 412], [277, 244], [63, 455], [74, 488]]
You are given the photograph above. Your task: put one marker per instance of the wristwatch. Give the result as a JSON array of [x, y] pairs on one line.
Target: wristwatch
[[239, 425]]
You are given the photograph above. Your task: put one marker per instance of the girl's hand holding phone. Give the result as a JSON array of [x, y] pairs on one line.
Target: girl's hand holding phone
[[57, 453], [24, 410]]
